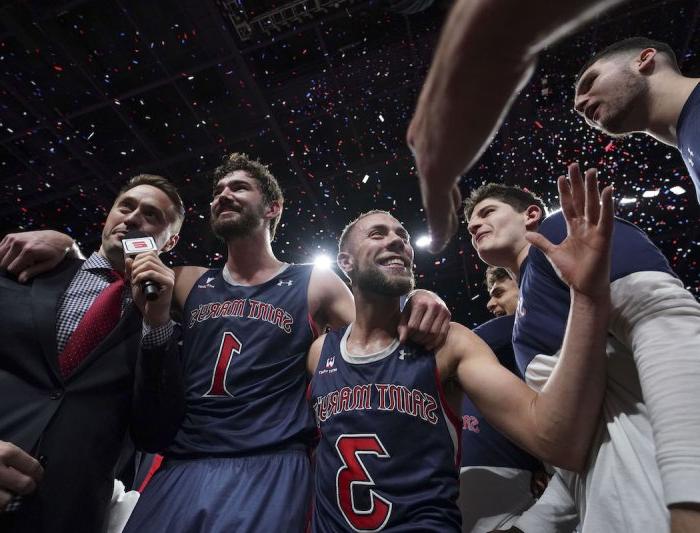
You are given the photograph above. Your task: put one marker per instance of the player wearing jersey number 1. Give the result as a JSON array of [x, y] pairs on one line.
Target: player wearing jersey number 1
[[388, 458]]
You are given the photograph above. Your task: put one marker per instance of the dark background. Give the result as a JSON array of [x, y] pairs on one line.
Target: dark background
[[95, 91]]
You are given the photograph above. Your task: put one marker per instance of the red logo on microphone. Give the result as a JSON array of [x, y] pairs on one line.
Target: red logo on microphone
[[138, 245]]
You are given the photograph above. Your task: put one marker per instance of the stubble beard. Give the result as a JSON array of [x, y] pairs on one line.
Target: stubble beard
[[373, 280], [626, 103], [243, 225]]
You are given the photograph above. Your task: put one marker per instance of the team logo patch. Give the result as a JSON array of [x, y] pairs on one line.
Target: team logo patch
[[329, 366]]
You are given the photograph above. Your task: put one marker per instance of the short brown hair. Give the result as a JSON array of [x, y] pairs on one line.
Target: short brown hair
[[347, 230], [165, 185], [495, 274], [519, 199], [269, 187], [629, 45]]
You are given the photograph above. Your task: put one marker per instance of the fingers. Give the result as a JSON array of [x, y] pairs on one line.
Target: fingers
[[592, 200], [428, 322], [578, 193], [438, 332], [30, 253], [403, 328], [22, 261], [539, 241], [19, 471], [31, 271], [607, 214], [442, 211], [9, 250], [148, 267], [565, 199], [421, 333], [128, 266], [415, 312]]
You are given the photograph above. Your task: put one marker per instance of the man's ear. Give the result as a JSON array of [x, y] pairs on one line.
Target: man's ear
[[273, 209], [533, 217], [345, 263], [646, 60], [170, 243]]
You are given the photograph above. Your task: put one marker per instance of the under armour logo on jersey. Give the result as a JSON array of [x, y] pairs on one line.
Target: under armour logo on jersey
[[403, 353], [330, 362], [287, 282], [207, 284]]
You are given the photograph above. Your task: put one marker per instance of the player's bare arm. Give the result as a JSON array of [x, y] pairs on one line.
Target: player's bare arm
[[314, 355], [330, 301], [485, 55], [185, 278], [546, 429], [558, 423]]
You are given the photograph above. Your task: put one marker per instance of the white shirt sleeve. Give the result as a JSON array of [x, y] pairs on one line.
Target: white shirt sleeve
[[659, 321], [554, 512]]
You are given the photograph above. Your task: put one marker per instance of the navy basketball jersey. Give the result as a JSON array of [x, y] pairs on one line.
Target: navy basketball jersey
[[389, 451], [482, 444], [540, 320], [244, 356], [689, 137]]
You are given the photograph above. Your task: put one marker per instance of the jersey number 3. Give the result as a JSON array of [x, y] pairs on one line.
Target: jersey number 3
[[229, 345], [353, 473]]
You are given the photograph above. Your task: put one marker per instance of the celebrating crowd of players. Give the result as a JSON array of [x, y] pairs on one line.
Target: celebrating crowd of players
[[593, 371]]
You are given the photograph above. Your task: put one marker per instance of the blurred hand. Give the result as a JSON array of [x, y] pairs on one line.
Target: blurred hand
[[19, 473]]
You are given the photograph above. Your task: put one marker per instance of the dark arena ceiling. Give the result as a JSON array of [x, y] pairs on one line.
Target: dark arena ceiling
[[95, 91]]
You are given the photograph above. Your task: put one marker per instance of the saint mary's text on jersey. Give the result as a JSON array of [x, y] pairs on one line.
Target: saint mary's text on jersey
[[243, 308], [379, 396]]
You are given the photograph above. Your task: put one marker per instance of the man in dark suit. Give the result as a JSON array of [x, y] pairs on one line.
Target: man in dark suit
[[71, 375]]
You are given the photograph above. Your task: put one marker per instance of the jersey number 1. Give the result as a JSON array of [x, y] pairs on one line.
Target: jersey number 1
[[353, 473], [229, 345]]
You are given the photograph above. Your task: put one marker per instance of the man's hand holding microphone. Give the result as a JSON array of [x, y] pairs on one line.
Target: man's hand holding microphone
[[152, 282]]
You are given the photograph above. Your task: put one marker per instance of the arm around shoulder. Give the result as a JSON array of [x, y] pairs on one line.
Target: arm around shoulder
[[330, 301]]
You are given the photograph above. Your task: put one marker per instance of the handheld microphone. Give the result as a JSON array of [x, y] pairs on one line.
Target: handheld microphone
[[136, 242]]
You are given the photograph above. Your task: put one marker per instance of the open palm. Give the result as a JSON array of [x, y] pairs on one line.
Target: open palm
[[582, 260]]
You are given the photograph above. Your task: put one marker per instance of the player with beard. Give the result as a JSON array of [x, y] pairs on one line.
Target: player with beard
[[388, 458], [239, 461], [635, 85]]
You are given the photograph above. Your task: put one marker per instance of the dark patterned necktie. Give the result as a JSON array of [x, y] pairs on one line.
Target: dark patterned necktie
[[97, 322]]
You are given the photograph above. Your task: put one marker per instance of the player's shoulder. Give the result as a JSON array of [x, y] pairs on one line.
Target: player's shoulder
[[457, 337], [185, 278]]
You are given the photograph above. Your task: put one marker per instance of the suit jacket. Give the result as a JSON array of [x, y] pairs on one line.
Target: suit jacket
[[78, 424]]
